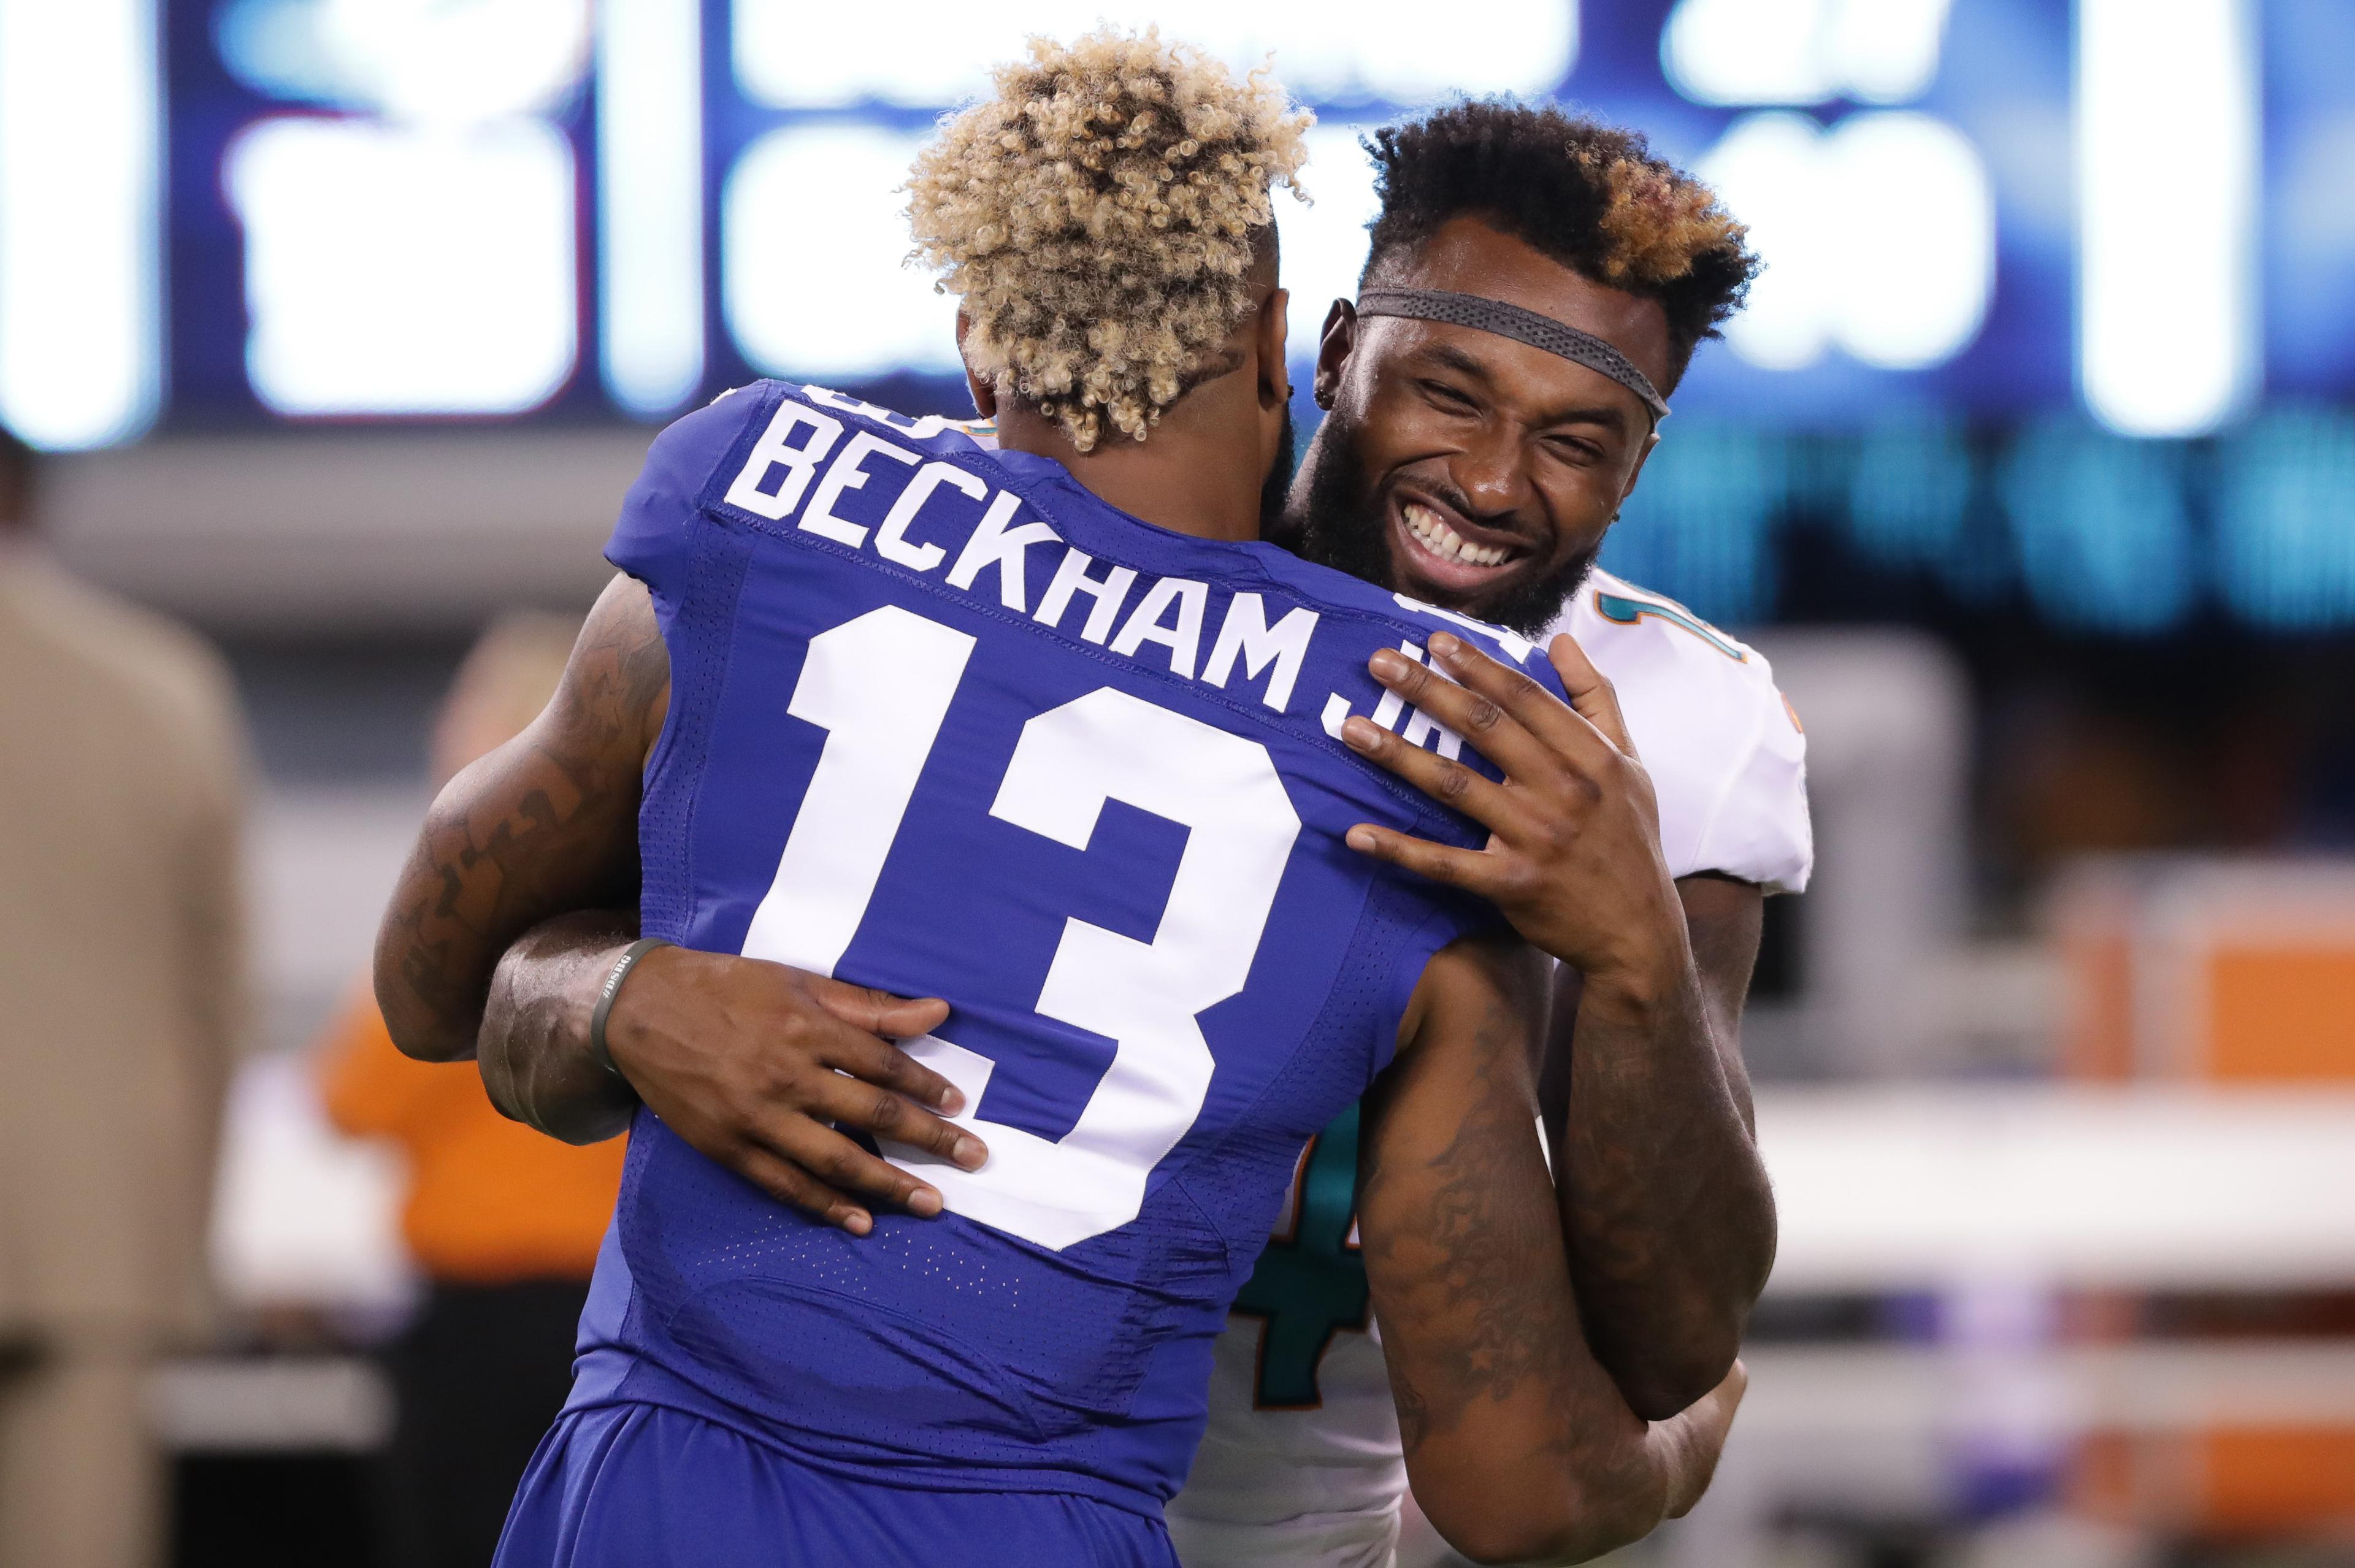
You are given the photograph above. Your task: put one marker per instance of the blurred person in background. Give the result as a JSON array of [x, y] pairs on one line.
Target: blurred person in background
[[503, 1223], [122, 778]]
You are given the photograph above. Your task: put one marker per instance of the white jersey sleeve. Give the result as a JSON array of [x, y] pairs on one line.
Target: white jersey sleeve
[[1727, 757]]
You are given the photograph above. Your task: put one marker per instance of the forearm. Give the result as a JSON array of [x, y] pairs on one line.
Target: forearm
[[1518, 1443], [1665, 1202], [534, 1047]]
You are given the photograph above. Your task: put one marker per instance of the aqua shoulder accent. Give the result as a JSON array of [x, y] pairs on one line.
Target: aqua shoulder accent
[[1627, 611]]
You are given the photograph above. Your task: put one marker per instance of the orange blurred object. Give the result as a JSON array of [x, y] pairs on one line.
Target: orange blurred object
[[2230, 1481], [490, 1201], [2237, 973], [2230, 972]]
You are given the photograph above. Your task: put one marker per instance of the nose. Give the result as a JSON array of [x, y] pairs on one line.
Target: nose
[[1492, 472]]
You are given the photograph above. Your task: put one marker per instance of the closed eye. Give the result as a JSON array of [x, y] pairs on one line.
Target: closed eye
[[1573, 449], [1448, 398]]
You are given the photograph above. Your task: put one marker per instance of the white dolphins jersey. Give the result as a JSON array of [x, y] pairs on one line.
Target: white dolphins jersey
[[1302, 1463]]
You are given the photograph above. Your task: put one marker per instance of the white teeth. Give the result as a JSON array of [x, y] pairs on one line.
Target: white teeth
[[1446, 543]]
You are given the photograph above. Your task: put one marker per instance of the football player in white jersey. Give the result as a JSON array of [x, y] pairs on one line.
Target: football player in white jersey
[[1451, 466], [1303, 1461]]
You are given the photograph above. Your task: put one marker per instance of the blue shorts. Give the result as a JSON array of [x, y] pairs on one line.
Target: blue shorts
[[645, 1485]]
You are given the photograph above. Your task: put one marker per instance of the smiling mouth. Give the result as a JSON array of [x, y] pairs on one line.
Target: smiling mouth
[[1442, 553]]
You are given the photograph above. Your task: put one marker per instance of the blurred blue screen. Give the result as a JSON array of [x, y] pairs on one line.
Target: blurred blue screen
[[2085, 226]]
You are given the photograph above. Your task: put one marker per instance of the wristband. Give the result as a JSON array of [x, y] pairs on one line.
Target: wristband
[[611, 989]]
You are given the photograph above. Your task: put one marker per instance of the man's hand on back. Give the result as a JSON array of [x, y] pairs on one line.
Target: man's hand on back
[[763, 1068], [1574, 857]]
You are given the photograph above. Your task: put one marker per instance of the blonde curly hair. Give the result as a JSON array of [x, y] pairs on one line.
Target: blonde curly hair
[[1096, 219]]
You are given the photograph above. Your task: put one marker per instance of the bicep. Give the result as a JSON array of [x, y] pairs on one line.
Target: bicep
[[544, 825]]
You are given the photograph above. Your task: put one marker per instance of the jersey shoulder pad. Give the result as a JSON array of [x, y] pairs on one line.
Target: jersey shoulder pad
[[1725, 751], [653, 540]]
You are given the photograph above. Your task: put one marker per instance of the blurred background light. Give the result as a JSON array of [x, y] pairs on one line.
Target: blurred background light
[[793, 56], [814, 246], [1769, 169], [1878, 238], [80, 207], [2167, 130], [2102, 527], [1698, 526], [1908, 491], [399, 270], [1919, 251], [1324, 241], [450, 62], [2285, 520], [1802, 51], [650, 202]]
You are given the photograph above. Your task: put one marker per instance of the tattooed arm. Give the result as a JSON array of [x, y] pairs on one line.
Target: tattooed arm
[[524, 889], [1519, 1445], [1670, 1243], [546, 825], [1670, 1218]]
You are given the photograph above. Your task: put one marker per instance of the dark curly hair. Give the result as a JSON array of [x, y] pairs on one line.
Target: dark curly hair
[[1590, 196]]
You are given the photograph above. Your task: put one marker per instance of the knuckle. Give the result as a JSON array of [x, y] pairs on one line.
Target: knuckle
[[889, 1114], [1482, 715], [1455, 782]]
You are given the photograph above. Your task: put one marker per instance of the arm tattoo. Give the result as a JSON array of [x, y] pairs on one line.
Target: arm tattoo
[[545, 825], [1665, 1205], [1487, 1226]]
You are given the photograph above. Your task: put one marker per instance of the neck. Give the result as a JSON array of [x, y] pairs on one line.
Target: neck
[[1199, 473]]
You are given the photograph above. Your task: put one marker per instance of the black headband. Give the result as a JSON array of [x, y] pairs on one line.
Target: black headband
[[1522, 325]]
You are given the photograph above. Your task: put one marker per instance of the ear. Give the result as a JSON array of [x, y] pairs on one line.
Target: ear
[[1333, 351], [1650, 441], [1274, 374], [985, 393]]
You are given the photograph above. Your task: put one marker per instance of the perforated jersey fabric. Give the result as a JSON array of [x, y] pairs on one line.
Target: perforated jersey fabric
[[1018, 846]]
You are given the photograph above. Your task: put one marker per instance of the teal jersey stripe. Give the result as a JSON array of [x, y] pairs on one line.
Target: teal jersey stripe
[[1627, 611]]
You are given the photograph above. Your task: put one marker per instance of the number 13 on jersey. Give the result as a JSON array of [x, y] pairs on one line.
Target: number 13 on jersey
[[880, 686]]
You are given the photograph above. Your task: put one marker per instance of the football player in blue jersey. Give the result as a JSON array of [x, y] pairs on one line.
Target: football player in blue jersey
[[1039, 731], [1457, 465]]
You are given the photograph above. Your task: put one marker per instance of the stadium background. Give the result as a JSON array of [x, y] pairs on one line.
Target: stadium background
[[2033, 465]]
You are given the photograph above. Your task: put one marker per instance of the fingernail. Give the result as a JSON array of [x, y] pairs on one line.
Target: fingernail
[[1389, 664], [970, 1153], [924, 1203], [857, 1224], [1360, 839], [1360, 733], [1445, 644], [951, 1100]]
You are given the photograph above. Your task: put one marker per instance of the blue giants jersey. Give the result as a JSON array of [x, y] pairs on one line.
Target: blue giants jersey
[[943, 724]]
